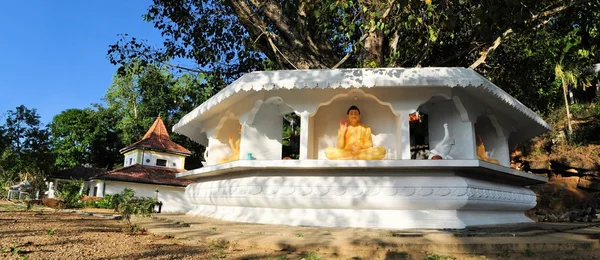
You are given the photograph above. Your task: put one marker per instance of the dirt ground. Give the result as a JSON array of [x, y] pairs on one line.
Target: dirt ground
[[49, 234]]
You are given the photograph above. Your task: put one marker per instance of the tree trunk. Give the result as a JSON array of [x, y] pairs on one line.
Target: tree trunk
[[373, 55], [565, 91]]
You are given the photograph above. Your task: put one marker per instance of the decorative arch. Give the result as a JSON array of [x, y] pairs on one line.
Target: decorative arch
[[259, 103], [464, 115], [227, 115], [496, 125], [355, 92]]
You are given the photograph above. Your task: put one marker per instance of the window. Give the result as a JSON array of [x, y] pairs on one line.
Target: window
[[174, 165], [161, 162], [130, 161], [95, 191]]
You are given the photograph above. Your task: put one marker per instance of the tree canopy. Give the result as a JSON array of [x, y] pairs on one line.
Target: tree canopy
[[515, 43], [139, 93], [24, 147]]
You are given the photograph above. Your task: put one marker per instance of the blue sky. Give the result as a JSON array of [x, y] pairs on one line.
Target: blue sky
[[53, 53]]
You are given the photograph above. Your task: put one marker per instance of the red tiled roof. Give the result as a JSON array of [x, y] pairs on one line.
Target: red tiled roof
[[157, 138], [146, 174], [77, 172]]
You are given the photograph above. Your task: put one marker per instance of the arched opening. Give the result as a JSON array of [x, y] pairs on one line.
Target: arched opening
[[224, 144], [419, 135], [437, 127], [377, 115], [273, 131], [290, 141], [491, 144]]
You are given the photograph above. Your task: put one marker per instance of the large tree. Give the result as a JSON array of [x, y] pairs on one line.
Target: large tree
[[85, 137], [26, 151], [141, 92], [227, 38]]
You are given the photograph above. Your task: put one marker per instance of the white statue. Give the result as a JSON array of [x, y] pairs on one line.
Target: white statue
[[442, 149]]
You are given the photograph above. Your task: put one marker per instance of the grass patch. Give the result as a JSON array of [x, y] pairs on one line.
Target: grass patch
[[219, 249], [438, 257], [311, 256], [12, 207]]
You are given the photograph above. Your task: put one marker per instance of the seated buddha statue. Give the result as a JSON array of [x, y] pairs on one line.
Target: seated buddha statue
[[481, 155], [354, 140], [235, 147]]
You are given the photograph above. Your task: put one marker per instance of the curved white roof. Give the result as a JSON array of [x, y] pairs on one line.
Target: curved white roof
[[361, 78]]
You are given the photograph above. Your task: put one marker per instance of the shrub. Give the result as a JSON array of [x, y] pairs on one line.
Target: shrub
[[137, 206], [69, 193]]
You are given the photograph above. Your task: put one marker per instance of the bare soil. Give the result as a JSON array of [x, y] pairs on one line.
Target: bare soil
[[50, 234], [43, 233]]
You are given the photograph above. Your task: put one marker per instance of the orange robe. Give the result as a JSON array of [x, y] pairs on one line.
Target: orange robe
[[356, 136]]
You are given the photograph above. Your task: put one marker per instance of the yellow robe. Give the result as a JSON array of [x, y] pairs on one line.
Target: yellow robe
[[481, 152], [355, 136], [235, 156]]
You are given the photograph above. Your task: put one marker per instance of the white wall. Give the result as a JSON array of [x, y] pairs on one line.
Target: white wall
[[380, 118], [172, 197], [133, 156], [441, 111], [263, 136], [171, 159]]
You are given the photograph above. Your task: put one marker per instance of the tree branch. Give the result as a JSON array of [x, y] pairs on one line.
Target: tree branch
[[484, 54], [533, 20], [364, 35]]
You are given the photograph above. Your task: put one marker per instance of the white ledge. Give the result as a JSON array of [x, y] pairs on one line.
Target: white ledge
[[475, 167]]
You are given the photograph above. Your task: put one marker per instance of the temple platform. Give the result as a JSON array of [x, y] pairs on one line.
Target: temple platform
[[388, 194]]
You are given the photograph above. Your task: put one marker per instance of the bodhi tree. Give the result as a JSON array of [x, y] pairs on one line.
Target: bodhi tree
[[515, 43]]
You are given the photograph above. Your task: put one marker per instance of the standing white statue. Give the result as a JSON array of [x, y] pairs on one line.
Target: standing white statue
[[442, 149]]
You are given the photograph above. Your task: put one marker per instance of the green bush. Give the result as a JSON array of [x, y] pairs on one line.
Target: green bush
[[140, 206], [69, 193]]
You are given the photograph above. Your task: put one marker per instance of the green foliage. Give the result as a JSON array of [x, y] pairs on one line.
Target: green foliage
[[15, 250], [139, 93], [69, 193], [138, 206], [312, 256], [24, 148], [84, 137], [51, 231], [219, 246], [516, 43], [438, 257], [528, 253], [128, 205]]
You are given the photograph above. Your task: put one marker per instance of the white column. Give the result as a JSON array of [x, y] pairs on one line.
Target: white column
[[304, 132], [244, 138], [100, 189], [403, 133]]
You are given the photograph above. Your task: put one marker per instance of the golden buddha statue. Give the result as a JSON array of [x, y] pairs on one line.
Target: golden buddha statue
[[235, 147], [481, 151], [354, 140]]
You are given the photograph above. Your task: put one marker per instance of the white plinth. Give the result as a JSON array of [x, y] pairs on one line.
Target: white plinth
[[394, 194]]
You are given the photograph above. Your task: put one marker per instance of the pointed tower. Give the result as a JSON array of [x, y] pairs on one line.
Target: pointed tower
[[156, 149]]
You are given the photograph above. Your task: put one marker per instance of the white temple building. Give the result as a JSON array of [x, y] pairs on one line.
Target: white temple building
[[448, 109]]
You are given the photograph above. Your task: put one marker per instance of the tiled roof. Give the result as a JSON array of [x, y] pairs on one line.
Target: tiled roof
[[146, 174], [157, 139], [77, 172]]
